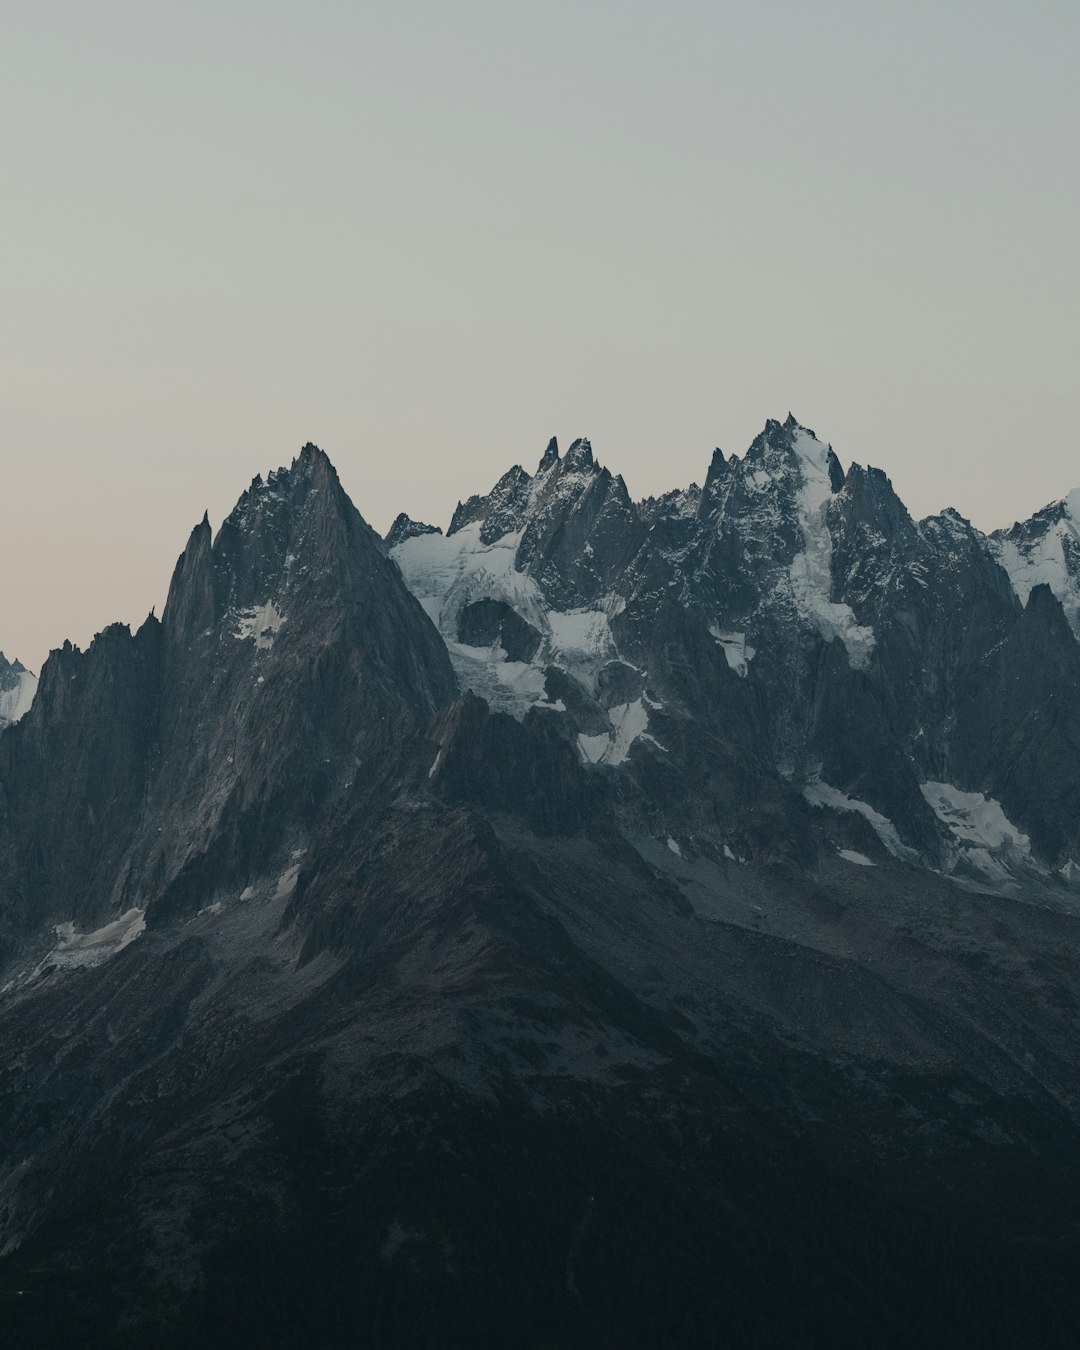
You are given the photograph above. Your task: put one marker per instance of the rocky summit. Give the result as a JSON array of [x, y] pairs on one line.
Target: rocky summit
[[17, 689], [607, 923]]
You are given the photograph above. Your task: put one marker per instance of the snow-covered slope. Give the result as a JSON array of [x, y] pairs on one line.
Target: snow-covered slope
[[1045, 549], [500, 599]]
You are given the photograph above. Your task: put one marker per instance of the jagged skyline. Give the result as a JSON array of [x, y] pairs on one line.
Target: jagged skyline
[[32, 630], [427, 239]]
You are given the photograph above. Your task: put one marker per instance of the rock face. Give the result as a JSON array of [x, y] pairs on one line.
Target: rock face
[[598, 925], [157, 768]]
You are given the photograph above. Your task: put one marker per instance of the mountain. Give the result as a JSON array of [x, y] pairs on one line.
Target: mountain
[[1045, 550], [17, 689], [607, 923], [789, 619]]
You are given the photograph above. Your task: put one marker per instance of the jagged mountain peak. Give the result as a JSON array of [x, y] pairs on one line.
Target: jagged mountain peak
[[404, 527], [677, 504], [296, 526], [1045, 548], [498, 512], [792, 423], [579, 457], [781, 446], [549, 457], [310, 472], [18, 687], [190, 606], [948, 522], [9, 668], [293, 564]]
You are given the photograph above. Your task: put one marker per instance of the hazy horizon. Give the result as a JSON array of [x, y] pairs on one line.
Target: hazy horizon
[[428, 238]]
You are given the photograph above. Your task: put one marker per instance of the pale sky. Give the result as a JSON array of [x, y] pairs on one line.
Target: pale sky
[[429, 236]]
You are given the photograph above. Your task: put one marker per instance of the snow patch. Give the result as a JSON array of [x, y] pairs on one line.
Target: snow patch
[[986, 839], [629, 721], [974, 818], [261, 623], [287, 882], [818, 793], [75, 950], [673, 845], [851, 856], [738, 652], [811, 570]]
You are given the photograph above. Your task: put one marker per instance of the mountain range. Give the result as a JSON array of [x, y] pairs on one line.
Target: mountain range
[[605, 923]]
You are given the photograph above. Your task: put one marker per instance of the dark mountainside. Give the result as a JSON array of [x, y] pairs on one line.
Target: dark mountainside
[[605, 924]]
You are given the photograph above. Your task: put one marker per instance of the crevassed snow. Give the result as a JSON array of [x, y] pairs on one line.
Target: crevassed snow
[[850, 855], [445, 573], [508, 686], [74, 949], [581, 634], [819, 793], [974, 818], [15, 702], [987, 839], [738, 652], [628, 722], [811, 570], [448, 573], [261, 623]]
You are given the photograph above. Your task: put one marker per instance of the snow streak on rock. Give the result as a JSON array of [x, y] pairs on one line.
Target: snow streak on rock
[[818, 793], [811, 571]]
